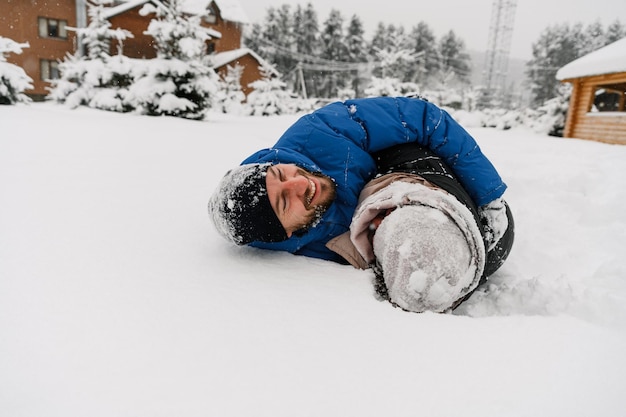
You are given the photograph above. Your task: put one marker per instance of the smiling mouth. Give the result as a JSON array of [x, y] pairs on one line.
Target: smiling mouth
[[311, 193]]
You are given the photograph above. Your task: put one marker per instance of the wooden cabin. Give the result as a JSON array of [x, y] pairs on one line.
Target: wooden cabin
[[597, 107], [45, 26]]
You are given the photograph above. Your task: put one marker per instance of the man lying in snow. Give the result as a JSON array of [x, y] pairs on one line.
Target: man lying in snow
[[301, 193], [422, 234]]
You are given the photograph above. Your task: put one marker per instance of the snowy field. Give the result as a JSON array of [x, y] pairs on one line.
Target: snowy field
[[118, 298]]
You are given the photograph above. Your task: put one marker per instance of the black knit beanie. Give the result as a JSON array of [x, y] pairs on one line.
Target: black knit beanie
[[240, 207]]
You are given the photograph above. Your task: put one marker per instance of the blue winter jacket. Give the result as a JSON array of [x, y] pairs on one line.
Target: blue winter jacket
[[338, 140]]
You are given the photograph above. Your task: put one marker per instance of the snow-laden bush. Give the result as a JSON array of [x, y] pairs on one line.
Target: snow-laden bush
[[176, 83], [230, 97], [95, 78], [101, 83], [389, 87], [269, 97], [550, 118], [171, 87], [13, 79]]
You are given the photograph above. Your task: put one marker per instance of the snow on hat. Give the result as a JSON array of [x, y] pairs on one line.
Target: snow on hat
[[240, 207], [431, 255]]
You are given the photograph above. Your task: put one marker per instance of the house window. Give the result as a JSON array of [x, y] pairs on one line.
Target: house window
[[609, 98], [52, 28], [49, 70]]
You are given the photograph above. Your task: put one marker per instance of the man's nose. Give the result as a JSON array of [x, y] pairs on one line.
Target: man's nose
[[298, 184]]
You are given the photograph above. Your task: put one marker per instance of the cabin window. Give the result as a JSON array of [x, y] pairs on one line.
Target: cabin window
[[609, 98], [49, 70], [52, 28]]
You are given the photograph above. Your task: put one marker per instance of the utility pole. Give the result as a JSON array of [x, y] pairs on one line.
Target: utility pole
[[498, 48]]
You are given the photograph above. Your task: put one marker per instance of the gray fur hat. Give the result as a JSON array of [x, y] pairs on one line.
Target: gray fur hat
[[431, 254]]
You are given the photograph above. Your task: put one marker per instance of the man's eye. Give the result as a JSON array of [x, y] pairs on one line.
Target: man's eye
[[284, 201]]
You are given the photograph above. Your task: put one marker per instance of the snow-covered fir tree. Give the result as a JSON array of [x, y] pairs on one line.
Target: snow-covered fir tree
[[355, 45], [390, 87], [269, 97], [307, 41], [333, 49], [614, 32], [230, 97], [95, 78], [396, 58], [424, 46], [559, 45], [13, 79], [550, 118], [454, 60], [177, 82]]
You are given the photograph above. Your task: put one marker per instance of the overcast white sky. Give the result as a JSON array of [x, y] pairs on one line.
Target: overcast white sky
[[469, 19]]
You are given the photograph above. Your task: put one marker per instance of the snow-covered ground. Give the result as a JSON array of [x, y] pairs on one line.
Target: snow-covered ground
[[118, 298]]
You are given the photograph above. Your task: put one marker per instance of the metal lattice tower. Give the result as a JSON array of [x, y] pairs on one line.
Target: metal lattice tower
[[498, 45]]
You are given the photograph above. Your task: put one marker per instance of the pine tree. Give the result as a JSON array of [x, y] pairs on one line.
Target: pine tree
[[593, 38], [615, 31], [333, 49], [98, 36], [13, 79], [308, 43], [95, 78], [454, 59], [424, 47], [274, 41], [229, 97], [557, 46], [355, 41], [380, 39], [177, 82], [307, 32], [269, 97], [252, 39], [356, 49], [397, 59]]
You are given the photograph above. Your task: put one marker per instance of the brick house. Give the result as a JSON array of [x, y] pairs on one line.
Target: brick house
[[45, 26]]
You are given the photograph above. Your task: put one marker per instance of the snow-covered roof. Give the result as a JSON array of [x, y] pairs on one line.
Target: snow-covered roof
[[131, 4], [127, 5], [607, 60], [230, 10], [223, 58]]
